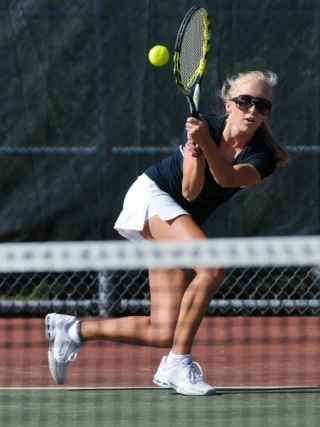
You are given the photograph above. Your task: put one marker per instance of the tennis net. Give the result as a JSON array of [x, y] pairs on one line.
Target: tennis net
[[258, 344], [273, 275]]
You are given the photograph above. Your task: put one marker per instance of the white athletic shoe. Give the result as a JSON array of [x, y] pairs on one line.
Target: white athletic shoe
[[62, 349], [185, 377]]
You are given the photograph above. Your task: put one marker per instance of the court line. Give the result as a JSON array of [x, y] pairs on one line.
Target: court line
[[225, 389]]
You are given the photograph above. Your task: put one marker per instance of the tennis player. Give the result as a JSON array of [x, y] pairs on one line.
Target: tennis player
[[219, 156]]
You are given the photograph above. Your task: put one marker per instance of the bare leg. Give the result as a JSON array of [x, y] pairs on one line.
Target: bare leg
[[194, 306], [179, 300], [166, 290], [199, 290]]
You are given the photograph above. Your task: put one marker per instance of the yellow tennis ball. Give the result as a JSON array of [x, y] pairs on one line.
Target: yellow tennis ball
[[158, 55]]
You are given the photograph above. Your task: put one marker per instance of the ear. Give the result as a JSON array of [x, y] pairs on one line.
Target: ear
[[228, 106]]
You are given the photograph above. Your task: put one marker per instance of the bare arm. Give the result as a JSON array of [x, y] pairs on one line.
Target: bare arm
[[223, 172], [193, 173]]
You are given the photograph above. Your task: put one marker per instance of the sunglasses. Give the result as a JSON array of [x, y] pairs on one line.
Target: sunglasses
[[243, 102]]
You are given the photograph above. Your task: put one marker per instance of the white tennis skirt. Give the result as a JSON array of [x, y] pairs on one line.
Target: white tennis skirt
[[144, 200]]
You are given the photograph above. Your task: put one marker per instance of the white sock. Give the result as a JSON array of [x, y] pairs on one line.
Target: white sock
[[73, 332], [173, 359]]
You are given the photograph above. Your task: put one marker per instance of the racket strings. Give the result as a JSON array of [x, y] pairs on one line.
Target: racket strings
[[192, 51]]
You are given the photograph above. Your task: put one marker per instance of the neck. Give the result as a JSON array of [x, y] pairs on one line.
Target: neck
[[234, 137]]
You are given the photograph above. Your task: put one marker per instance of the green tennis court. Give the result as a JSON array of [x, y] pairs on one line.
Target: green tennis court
[[155, 407]]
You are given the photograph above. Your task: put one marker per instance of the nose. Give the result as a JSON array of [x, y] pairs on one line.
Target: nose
[[253, 104]]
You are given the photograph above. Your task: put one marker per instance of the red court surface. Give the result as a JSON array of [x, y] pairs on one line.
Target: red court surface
[[233, 352]]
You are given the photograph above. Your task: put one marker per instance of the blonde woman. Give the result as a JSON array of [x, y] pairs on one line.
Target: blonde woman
[[219, 156]]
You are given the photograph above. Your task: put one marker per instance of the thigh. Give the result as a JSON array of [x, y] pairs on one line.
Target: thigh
[[182, 227]]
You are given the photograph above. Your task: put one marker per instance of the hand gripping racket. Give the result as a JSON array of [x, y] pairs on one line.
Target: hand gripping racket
[[191, 52]]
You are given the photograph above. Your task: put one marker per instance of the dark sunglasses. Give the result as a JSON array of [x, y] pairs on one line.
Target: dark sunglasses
[[243, 102]]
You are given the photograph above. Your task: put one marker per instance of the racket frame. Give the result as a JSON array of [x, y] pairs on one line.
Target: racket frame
[[194, 83]]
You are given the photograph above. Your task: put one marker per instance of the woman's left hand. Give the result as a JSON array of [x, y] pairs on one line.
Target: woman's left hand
[[194, 149]]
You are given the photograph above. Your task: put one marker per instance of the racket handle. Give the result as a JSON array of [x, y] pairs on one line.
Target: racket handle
[[196, 97]]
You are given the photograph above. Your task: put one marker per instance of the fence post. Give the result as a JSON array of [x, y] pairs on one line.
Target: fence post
[[105, 293]]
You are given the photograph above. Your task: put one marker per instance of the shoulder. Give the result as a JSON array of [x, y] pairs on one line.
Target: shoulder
[[258, 145], [259, 155]]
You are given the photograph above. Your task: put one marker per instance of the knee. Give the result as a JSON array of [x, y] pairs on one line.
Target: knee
[[163, 338], [213, 275], [211, 278], [164, 342], [219, 275]]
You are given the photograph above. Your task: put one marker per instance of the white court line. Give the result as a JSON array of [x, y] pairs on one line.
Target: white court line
[[238, 388]]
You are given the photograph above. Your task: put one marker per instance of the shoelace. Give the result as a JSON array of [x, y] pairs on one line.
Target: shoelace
[[195, 372]]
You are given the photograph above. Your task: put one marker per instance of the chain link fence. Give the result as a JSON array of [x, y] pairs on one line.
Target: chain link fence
[[253, 291]]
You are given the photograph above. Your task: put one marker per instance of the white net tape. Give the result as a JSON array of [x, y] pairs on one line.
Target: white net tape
[[95, 256]]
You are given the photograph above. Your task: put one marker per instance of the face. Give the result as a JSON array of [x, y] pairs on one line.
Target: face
[[248, 120]]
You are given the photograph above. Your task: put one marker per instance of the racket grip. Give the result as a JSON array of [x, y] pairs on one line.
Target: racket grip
[[196, 98]]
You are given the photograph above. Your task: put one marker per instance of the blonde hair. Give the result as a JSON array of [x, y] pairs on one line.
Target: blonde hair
[[271, 79]]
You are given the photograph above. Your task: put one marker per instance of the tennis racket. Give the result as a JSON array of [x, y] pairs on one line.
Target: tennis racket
[[191, 52]]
